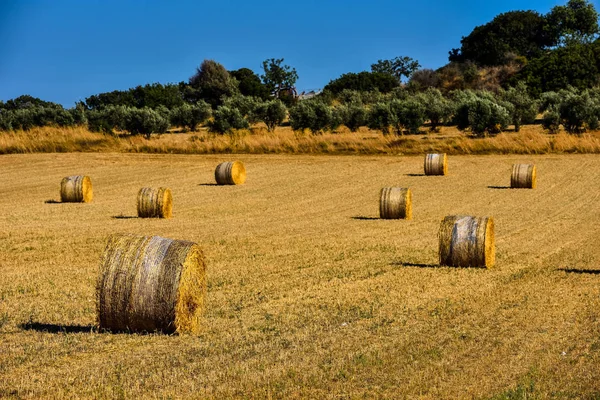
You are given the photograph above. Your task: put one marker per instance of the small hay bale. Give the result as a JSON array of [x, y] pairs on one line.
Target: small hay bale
[[467, 241], [230, 173], [395, 203], [76, 189], [150, 283], [523, 176], [436, 164], [155, 203]]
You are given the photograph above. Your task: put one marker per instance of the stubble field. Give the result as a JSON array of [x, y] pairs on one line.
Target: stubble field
[[310, 295]]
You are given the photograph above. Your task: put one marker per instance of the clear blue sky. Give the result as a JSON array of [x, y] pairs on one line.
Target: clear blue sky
[[66, 50]]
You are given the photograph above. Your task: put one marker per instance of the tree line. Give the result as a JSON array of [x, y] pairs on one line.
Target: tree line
[[506, 72]]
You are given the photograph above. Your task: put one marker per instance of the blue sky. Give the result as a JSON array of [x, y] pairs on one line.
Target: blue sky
[[67, 50]]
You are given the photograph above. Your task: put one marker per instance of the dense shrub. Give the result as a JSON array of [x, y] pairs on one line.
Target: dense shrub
[[381, 117], [353, 115], [246, 105], [226, 119], [272, 113], [523, 108], [551, 120], [407, 114], [364, 82], [577, 110], [145, 121], [438, 109], [190, 116], [312, 114]]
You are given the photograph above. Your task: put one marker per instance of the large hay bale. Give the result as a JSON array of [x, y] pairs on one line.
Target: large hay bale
[[150, 283], [395, 203], [523, 176], [436, 164], [76, 189], [230, 173], [154, 203], [467, 241]]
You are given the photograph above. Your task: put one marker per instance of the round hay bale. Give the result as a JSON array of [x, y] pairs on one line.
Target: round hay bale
[[230, 173], [150, 283], [436, 164], [155, 203], [467, 241], [395, 203], [523, 176], [76, 189]]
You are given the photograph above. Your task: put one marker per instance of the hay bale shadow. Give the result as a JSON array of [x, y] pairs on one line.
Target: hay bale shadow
[[208, 184], [499, 187], [414, 174], [580, 271], [53, 328], [52, 201], [363, 218], [124, 216], [414, 265]]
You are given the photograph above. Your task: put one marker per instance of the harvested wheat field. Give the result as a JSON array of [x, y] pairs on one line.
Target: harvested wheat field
[[310, 294]]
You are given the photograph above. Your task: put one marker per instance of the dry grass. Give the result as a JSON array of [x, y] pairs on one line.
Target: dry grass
[[531, 140], [310, 295]]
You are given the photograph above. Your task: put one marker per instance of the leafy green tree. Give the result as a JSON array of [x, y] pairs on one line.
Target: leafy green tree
[[250, 84], [272, 113], [381, 117], [191, 116], [26, 101], [438, 109], [407, 114], [363, 82], [353, 115], [575, 22], [245, 104], [424, 79], [551, 120], [78, 114], [578, 110], [519, 32], [302, 116], [213, 82], [397, 67], [524, 108], [277, 77], [226, 119], [145, 121]]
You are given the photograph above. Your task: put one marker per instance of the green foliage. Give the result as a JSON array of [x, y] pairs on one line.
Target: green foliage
[[577, 110], [78, 114], [363, 82], [250, 84], [480, 112], [551, 120], [575, 22], [191, 116], [575, 65], [5, 120], [272, 113], [312, 114], [518, 32], [396, 67], [424, 78], [381, 117], [152, 95], [246, 105], [145, 121], [407, 114], [438, 109], [277, 77], [226, 119], [26, 102], [213, 82], [353, 115], [108, 119], [524, 108]]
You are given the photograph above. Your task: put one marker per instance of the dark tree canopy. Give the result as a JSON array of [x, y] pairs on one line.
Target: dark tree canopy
[[213, 82], [277, 76], [250, 83], [26, 101], [518, 32], [151, 96], [397, 67], [577, 21], [363, 82]]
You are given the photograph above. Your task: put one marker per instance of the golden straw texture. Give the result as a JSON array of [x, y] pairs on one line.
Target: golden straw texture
[[155, 203], [523, 176], [150, 283], [76, 189], [436, 164], [467, 241], [395, 203], [230, 173]]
